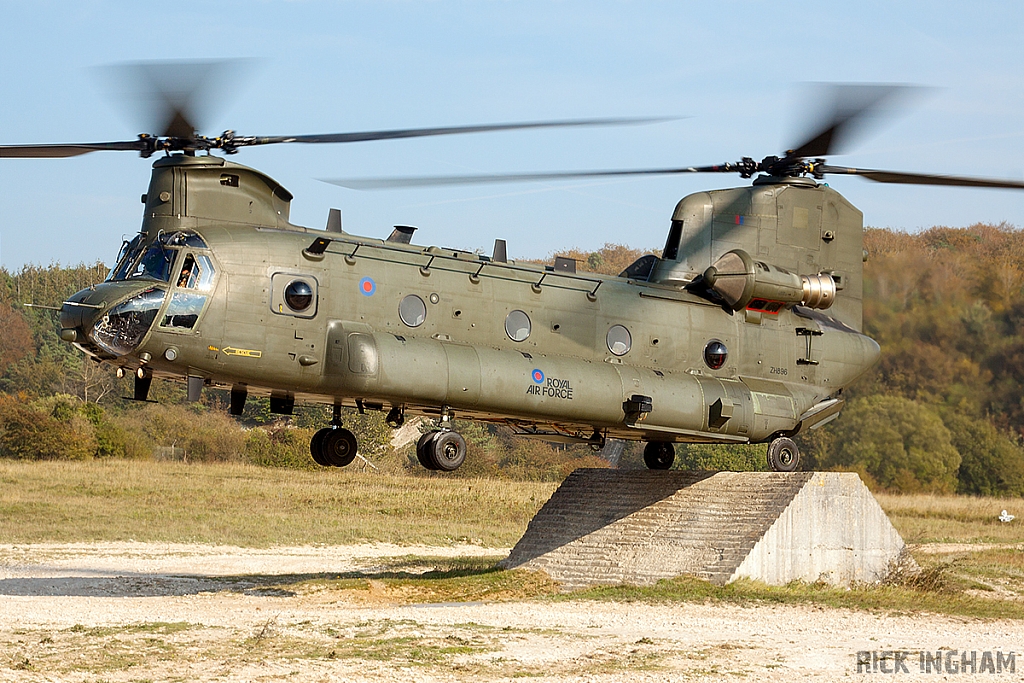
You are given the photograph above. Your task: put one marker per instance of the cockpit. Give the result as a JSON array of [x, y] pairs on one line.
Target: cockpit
[[154, 262], [169, 281]]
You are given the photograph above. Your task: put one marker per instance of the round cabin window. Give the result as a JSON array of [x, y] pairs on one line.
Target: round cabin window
[[619, 341], [298, 295], [412, 311], [715, 354], [517, 326]]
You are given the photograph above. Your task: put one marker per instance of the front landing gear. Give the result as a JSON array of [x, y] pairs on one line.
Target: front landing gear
[[659, 455], [442, 450], [333, 447], [783, 455]]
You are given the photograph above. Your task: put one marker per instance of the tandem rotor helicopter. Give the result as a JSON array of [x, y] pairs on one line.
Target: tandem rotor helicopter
[[745, 330]]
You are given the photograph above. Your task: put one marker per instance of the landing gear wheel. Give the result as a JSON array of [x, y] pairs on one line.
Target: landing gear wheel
[[783, 455], [423, 450], [659, 455], [316, 447], [447, 451], [339, 447]]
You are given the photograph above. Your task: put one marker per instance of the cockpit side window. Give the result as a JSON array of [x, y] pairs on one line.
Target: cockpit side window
[[196, 272], [193, 282], [204, 280], [189, 272]]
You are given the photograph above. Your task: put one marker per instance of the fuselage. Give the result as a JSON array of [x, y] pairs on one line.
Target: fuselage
[[255, 306]]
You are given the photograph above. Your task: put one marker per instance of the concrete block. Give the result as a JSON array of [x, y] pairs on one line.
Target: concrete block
[[613, 526]]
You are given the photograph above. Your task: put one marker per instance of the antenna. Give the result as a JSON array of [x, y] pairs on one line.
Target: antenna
[[334, 221]]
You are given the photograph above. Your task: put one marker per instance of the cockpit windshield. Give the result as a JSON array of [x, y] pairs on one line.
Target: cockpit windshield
[[129, 254], [154, 262]]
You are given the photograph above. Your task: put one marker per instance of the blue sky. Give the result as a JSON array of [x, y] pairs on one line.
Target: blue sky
[[732, 68]]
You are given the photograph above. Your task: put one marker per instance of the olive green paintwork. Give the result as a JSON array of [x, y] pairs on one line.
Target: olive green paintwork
[[562, 381]]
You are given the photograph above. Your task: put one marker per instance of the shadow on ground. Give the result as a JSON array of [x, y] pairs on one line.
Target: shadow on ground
[[86, 583]]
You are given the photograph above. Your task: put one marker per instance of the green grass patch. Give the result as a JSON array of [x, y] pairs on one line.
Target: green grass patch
[[948, 598]]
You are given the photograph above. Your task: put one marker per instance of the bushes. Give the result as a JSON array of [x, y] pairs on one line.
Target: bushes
[[204, 435], [30, 434], [900, 444], [62, 427], [696, 456], [907, 446], [279, 448], [990, 464]]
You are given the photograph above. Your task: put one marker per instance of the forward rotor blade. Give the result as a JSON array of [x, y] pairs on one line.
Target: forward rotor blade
[[432, 181], [847, 107], [174, 98], [452, 130], [64, 151], [923, 178]]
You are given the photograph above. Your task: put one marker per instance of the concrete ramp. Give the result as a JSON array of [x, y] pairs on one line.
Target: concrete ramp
[[636, 527]]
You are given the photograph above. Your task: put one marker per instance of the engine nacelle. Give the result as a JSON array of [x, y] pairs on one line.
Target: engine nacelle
[[740, 280]]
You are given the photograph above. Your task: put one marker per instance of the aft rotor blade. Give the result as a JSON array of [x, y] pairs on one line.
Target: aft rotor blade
[[923, 178], [846, 107], [70, 150], [432, 181], [450, 130]]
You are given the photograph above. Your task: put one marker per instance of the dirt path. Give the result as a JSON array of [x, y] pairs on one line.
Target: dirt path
[[134, 611]]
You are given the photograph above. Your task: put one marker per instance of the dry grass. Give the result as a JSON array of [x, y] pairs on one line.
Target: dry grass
[[953, 519], [260, 507], [255, 507]]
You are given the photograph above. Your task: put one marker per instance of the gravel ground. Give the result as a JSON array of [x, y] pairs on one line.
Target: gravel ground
[[157, 612]]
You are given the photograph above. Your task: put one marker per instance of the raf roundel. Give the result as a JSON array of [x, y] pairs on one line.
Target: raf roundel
[[538, 376], [367, 286]]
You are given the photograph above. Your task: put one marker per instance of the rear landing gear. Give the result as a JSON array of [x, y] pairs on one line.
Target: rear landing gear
[[333, 447], [783, 455], [442, 450], [659, 455]]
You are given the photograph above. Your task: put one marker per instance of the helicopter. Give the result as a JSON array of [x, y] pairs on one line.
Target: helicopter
[[746, 329]]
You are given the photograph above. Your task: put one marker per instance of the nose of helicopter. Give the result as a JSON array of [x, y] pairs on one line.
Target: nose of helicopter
[[113, 316], [79, 313]]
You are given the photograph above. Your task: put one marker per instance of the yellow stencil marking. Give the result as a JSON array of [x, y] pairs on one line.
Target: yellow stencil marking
[[245, 353]]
